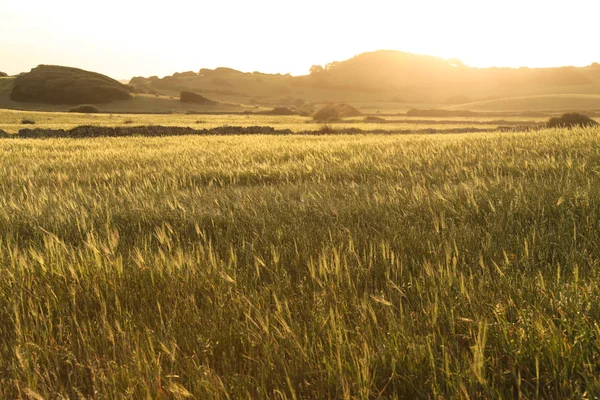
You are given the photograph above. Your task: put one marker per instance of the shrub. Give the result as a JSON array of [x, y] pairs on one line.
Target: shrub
[[280, 111], [334, 111], [374, 119], [571, 120], [26, 121], [326, 130], [194, 98], [85, 109]]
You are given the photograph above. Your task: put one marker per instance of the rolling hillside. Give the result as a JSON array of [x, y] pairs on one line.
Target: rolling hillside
[[387, 76], [133, 103], [386, 81]]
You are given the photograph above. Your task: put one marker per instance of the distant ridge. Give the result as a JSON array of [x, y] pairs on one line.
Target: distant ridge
[[386, 75]]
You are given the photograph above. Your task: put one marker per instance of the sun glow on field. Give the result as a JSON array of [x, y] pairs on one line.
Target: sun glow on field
[[124, 39]]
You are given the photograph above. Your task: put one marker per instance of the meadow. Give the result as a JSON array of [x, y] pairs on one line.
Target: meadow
[[11, 121], [347, 266]]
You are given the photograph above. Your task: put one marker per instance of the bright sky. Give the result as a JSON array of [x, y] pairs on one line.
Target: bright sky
[[125, 38]]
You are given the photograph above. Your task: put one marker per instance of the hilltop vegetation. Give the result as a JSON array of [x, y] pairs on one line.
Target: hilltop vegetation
[[53, 84], [3, 74], [301, 267]]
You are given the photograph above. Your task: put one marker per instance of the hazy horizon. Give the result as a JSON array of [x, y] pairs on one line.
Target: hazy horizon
[[130, 39]]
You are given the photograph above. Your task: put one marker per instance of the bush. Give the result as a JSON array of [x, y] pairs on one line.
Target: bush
[[571, 120], [51, 84], [326, 130], [280, 111], [85, 109], [374, 119], [26, 121], [335, 111], [194, 98]]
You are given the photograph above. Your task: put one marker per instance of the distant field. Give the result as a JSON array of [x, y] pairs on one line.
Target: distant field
[[139, 104], [11, 121], [563, 102], [356, 266]]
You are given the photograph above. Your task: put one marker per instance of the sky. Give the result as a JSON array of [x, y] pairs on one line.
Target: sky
[[123, 38]]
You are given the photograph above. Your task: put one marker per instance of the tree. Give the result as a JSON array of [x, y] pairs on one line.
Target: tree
[[315, 69], [332, 65]]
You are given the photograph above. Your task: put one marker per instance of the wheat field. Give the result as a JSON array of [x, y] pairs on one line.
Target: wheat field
[[11, 121], [298, 267]]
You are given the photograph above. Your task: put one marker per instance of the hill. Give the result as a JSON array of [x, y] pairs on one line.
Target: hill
[[381, 76], [425, 78], [136, 103], [229, 85], [381, 81], [52, 84]]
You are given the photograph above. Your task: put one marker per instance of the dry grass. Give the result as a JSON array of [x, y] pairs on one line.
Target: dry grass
[[301, 267]]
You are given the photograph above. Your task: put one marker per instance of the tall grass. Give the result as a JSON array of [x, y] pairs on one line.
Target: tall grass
[[301, 267]]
